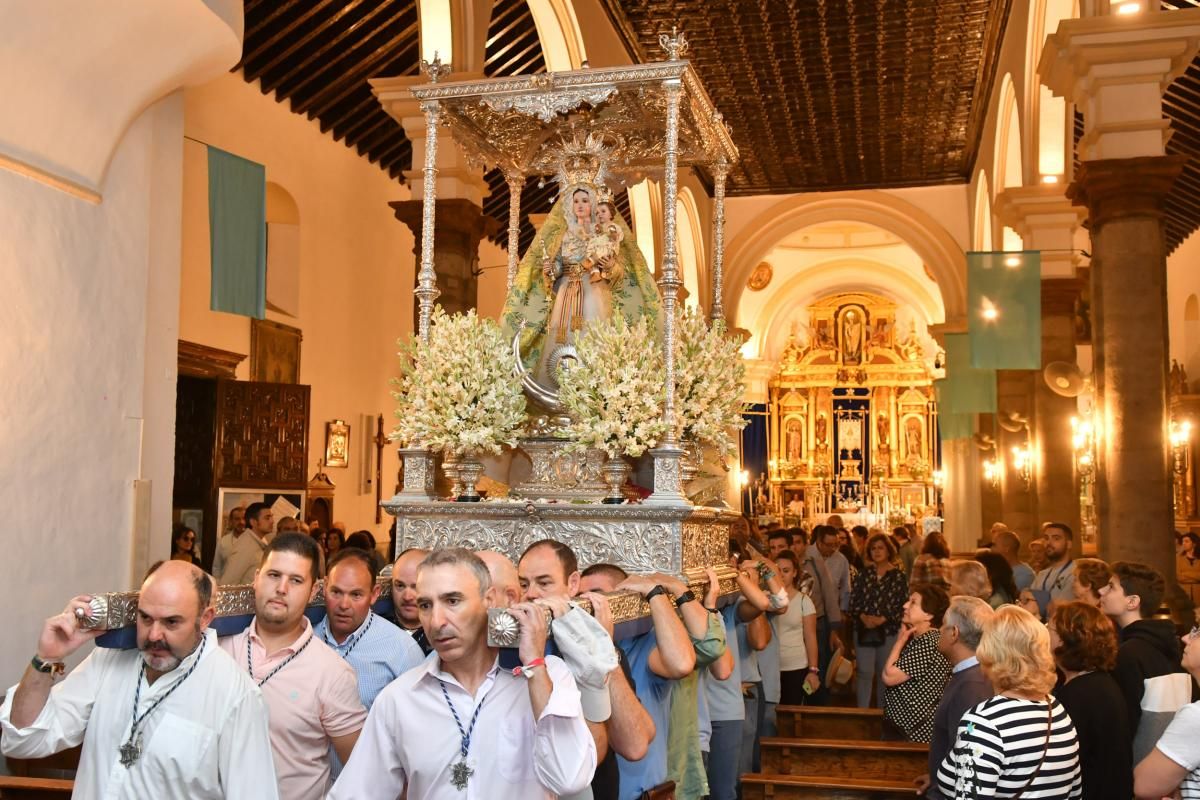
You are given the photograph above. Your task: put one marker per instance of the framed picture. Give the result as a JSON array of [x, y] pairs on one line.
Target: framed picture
[[337, 443], [283, 503], [194, 519], [274, 352]]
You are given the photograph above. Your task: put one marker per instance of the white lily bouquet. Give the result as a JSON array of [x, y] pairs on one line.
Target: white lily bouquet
[[457, 392], [615, 393], [709, 375]]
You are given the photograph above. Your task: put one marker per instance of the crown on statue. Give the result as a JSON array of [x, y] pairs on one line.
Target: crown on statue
[[584, 161]]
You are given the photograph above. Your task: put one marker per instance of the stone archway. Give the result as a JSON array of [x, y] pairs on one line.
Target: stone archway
[[918, 229]]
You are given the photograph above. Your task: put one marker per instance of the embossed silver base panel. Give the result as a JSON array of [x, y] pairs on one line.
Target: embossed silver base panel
[[559, 474], [637, 538]]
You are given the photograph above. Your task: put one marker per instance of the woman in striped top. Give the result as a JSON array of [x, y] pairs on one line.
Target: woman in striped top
[[1020, 743]]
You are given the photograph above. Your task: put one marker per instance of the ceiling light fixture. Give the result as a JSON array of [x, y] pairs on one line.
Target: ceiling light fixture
[[1012, 261], [1129, 8], [1049, 179]]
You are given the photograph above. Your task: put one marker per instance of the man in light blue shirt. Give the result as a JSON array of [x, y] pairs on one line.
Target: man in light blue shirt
[[378, 650]]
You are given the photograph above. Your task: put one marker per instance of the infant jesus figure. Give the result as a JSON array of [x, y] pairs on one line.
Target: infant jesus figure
[[601, 255]]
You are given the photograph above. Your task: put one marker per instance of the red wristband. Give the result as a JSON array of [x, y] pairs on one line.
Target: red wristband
[[532, 665]]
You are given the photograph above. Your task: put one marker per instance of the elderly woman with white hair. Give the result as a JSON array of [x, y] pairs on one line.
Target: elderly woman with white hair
[[1020, 743]]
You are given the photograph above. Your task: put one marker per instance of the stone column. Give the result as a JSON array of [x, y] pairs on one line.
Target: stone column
[[460, 226], [1116, 68], [459, 223], [1129, 321], [1048, 222], [1057, 484]]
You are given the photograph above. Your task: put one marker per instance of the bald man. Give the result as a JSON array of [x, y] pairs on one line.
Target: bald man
[[504, 577], [404, 596], [199, 728]]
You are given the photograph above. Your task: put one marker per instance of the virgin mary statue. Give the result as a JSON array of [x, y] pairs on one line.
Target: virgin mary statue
[[583, 265]]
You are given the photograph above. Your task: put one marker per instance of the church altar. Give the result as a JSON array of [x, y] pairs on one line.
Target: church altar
[[852, 420]]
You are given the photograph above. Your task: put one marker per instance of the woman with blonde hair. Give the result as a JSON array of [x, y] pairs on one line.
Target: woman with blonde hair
[[1020, 743]]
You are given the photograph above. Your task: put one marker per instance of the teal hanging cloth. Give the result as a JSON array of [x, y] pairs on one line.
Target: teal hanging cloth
[[237, 226], [1004, 309], [964, 392]]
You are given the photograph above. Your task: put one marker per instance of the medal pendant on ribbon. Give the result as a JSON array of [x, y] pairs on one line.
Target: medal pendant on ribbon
[[130, 752], [460, 773]]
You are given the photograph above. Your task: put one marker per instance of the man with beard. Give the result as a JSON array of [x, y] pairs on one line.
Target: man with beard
[[459, 725], [378, 651], [173, 719], [404, 596], [247, 550], [311, 692], [1055, 583]]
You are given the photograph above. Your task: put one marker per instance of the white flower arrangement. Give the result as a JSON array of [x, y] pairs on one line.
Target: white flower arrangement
[[615, 393], [709, 375], [458, 392]]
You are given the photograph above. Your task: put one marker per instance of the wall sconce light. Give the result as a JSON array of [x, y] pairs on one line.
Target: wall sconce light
[[991, 472], [1023, 464], [1083, 448], [1180, 434]]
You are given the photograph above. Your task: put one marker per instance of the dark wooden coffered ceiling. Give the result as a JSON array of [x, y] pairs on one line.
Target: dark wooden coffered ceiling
[[836, 94], [821, 94], [316, 55]]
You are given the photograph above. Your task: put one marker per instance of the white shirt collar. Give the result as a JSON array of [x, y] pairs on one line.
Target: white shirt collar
[[966, 663]]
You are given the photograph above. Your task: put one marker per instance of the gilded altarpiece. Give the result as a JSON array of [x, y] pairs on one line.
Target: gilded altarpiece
[[852, 422]]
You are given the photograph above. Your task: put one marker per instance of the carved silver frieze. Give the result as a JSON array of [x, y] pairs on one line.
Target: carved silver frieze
[[548, 105]]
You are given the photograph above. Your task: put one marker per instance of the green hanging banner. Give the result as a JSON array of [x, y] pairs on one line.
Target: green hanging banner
[[955, 426], [1004, 309], [237, 219], [964, 392]]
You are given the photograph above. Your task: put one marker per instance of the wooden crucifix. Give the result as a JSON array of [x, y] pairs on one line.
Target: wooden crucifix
[[380, 441]]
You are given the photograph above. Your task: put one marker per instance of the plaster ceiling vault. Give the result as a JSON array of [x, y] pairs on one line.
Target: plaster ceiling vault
[[836, 94]]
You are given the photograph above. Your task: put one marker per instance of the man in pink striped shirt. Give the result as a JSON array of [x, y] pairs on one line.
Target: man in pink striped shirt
[[311, 692]]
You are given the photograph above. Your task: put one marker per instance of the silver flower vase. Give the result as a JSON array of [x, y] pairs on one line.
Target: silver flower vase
[[469, 470], [616, 473], [693, 458], [450, 468]]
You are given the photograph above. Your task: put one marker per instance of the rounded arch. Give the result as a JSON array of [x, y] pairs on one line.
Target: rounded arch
[[558, 30], [853, 274], [689, 245], [919, 230], [1045, 114], [1007, 167], [283, 251], [981, 230]]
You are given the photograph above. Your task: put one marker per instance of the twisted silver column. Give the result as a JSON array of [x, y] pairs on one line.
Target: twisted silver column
[[516, 182], [427, 290], [720, 172]]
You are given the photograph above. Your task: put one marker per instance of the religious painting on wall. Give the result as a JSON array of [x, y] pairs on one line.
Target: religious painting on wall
[[274, 352], [337, 443]]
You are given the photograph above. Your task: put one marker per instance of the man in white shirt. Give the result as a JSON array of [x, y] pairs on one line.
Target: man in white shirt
[[247, 550], [234, 529], [459, 727], [173, 719]]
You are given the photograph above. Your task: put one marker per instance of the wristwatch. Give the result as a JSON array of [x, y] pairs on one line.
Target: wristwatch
[[687, 597], [655, 592], [54, 669]]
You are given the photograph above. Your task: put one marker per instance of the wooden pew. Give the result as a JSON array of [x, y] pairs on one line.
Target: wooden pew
[[797, 787], [18, 788], [40, 778], [884, 761], [829, 722]]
